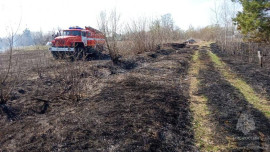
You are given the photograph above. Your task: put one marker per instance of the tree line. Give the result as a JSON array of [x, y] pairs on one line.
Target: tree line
[[26, 38]]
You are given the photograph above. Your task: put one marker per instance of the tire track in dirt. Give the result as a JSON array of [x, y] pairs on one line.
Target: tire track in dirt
[[259, 101], [235, 118], [204, 134], [252, 73]]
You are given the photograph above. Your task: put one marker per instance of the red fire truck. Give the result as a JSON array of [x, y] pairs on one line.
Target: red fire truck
[[77, 41]]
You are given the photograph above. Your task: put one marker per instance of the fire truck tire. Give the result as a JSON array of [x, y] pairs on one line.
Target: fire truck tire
[[55, 54], [100, 48], [79, 53]]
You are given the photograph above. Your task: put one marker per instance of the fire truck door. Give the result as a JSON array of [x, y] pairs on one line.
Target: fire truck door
[[84, 38]]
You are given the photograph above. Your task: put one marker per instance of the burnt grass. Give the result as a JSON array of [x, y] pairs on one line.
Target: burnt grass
[[137, 105], [251, 72], [227, 104]]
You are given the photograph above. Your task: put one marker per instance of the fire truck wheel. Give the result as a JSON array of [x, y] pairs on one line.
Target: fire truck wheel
[[100, 48], [80, 53], [55, 55]]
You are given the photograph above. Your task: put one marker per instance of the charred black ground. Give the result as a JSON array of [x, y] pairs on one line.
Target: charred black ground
[[139, 104], [258, 77], [227, 105]]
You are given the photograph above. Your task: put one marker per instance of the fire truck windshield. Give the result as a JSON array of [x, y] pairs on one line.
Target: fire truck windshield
[[73, 33]]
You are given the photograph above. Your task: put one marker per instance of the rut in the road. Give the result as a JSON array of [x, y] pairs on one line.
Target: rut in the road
[[229, 106], [204, 133], [252, 73]]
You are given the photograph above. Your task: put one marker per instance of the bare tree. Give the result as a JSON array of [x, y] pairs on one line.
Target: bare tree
[[223, 12], [167, 27], [137, 34], [4, 88], [109, 24]]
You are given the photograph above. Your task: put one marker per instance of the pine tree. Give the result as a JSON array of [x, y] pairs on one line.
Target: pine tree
[[254, 20], [26, 37]]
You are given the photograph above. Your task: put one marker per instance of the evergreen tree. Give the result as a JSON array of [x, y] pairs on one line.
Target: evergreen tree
[[254, 21], [26, 38]]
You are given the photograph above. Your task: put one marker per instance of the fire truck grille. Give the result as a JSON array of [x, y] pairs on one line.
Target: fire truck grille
[[60, 42]]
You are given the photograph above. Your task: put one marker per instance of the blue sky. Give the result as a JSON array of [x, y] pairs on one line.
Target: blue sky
[[47, 15]]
